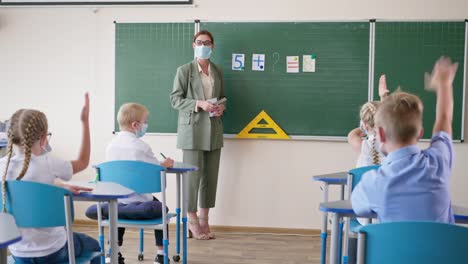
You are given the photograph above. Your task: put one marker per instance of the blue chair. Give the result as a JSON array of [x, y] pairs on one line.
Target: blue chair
[[38, 205], [412, 243], [354, 177], [142, 178]]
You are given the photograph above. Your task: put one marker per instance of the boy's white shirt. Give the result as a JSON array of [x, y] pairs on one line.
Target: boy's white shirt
[[39, 242], [126, 146]]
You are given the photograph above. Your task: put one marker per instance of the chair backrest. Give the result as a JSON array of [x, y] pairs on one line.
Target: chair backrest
[[38, 205], [355, 176], [412, 242], [141, 177]]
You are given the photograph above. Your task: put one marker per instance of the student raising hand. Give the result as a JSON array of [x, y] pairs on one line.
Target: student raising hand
[[82, 161], [441, 81], [85, 110], [442, 75], [383, 90]]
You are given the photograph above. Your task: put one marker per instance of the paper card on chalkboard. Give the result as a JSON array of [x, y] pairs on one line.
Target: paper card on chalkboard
[[308, 63], [238, 62], [292, 64], [258, 62]]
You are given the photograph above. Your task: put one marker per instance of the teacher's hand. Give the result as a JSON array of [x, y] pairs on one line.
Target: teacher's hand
[[206, 106], [219, 110]]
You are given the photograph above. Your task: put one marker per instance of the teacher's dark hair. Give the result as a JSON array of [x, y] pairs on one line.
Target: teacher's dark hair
[[203, 32]]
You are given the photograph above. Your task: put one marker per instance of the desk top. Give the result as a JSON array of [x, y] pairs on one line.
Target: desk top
[[181, 167], [4, 244], [102, 190], [333, 178], [345, 208], [461, 214]]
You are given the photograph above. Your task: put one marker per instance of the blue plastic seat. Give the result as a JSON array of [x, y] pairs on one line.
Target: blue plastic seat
[[142, 178], [38, 205], [352, 225], [412, 243], [354, 177]]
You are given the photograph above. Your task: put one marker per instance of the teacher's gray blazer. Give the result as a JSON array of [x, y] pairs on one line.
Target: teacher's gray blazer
[[196, 130]]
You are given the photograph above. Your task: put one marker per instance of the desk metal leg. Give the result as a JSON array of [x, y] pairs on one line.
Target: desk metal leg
[[184, 216], [178, 216], [113, 231], [345, 240], [334, 239], [3, 255], [323, 235]]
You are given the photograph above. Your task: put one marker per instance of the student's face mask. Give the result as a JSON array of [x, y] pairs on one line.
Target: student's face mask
[[142, 131], [203, 52], [46, 149], [363, 128]]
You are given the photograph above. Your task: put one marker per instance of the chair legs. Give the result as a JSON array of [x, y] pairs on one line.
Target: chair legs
[[142, 243]]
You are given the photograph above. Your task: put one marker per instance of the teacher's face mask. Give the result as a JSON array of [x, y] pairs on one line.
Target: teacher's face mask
[[203, 52]]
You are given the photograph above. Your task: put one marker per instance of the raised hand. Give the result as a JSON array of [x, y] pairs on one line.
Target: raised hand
[[442, 75], [85, 110], [383, 90]]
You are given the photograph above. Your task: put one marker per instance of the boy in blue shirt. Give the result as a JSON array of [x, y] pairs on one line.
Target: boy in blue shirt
[[412, 184]]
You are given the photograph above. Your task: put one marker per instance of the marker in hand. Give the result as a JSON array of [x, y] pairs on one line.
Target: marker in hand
[[167, 162]]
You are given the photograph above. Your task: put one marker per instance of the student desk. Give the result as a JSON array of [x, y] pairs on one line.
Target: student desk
[[339, 178], [181, 169], [105, 192], [343, 208]]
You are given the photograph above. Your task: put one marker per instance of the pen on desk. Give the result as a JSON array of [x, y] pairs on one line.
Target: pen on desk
[[162, 155]]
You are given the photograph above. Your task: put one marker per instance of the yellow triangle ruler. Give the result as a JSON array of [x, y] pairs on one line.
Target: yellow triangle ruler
[[269, 123]]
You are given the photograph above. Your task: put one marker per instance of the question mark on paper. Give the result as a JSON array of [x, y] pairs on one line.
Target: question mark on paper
[[276, 57]]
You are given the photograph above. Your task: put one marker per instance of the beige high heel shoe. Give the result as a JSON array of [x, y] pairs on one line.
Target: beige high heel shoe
[[195, 230], [208, 232]]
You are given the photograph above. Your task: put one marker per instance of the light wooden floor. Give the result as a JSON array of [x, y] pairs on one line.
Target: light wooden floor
[[228, 248]]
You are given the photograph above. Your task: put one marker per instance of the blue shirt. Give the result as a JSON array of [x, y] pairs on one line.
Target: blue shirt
[[411, 185]]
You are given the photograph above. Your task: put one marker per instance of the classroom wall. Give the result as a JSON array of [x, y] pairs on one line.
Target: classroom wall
[[49, 56]]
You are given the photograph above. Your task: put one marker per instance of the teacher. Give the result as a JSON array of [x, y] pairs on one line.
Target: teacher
[[198, 87]]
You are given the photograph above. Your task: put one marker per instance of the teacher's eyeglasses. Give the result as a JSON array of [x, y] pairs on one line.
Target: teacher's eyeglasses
[[204, 43]]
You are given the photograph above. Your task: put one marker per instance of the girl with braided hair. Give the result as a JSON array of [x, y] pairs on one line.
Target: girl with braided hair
[[27, 137], [363, 140]]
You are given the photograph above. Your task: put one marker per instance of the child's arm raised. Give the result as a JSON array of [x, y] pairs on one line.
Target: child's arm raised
[[83, 156], [383, 90], [441, 80]]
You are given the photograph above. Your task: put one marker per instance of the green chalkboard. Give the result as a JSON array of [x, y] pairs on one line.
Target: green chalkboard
[[146, 58], [321, 103], [406, 50]]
